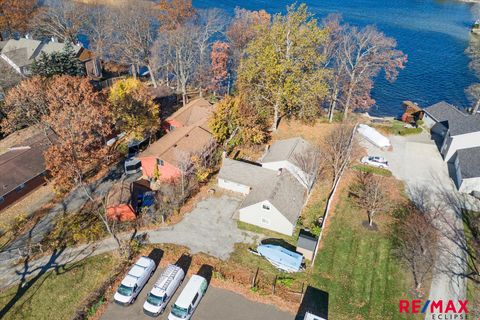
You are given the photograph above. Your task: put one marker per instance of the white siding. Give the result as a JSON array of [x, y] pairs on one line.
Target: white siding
[[233, 186], [293, 169], [269, 219], [469, 185], [463, 141], [428, 120]]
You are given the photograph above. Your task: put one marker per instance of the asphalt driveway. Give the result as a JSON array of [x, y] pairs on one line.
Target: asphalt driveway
[[216, 304]]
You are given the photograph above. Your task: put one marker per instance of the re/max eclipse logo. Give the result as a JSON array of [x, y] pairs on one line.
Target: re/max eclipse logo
[[438, 309]]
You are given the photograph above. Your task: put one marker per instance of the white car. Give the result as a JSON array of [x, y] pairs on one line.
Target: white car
[[378, 162], [134, 281], [189, 299], [163, 290]]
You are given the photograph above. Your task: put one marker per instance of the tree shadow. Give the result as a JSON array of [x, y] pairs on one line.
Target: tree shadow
[[315, 301]]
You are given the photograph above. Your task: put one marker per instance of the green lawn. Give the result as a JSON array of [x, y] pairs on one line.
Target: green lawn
[[374, 170], [398, 128], [356, 267], [57, 295]]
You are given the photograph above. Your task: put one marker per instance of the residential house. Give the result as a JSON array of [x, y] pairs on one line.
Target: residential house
[[198, 110], [274, 198], [22, 169], [295, 155], [20, 55], [458, 138]]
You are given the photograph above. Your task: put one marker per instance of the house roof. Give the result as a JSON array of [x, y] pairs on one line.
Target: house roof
[[20, 165], [286, 150], [283, 191], [469, 162], [457, 121], [23, 51], [245, 173], [195, 111], [173, 146]]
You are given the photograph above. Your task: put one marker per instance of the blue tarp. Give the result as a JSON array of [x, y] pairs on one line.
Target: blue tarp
[[281, 258]]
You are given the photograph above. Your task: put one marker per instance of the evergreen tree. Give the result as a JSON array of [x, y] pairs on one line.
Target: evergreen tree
[[63, 62]]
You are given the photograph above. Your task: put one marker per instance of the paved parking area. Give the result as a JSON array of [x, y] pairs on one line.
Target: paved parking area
[[216, 304]]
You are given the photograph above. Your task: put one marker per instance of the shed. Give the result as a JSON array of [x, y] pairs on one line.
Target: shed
[[307, 242]]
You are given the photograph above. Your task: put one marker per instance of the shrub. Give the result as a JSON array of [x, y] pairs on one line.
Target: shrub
[[420, 123], [374, 170], [410, 131]]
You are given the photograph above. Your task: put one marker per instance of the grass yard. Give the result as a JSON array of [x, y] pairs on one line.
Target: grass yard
[[374, 170], [58, 294], [397, 128], [356, 267]]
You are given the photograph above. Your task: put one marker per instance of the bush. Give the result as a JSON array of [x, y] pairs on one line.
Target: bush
[[410, 131], [420, 123]]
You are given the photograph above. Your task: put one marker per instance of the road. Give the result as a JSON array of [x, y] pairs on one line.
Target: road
[[208, 228], [416, 161]]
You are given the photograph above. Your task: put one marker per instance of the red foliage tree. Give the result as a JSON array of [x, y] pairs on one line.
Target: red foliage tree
[[220, 64]]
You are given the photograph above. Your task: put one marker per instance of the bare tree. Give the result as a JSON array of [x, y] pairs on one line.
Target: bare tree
[[310, 162], [99, 28], [415, 240], [369, 194], [62, 19]]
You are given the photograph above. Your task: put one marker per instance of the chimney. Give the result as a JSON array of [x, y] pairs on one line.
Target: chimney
[[279, 171], [27, 36]]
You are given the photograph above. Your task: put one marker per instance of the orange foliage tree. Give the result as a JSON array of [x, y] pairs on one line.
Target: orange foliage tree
[[14, 16], [220, 64], [174, 13]]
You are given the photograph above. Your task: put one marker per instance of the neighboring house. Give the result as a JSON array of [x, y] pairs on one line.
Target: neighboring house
[[198, 110], [456, 129], [189, 135], [296, 155], [20, 55], [274, 198], [276, 189], [467, 170], [22, 169]]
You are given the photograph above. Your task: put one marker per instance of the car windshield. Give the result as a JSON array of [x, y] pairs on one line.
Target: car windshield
[[154, 300], [179, 311], [124, 290]]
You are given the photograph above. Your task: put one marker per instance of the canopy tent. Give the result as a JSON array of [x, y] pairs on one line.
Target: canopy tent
[[373, 136]]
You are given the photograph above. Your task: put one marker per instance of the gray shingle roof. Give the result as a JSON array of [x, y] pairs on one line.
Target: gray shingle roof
[[245, 173], [283, 191], [457, 121], [286, 150], [469, 162], [306, 241]]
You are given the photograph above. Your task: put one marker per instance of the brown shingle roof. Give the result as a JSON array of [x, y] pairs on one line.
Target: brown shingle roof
[[197, 110], [181, 141], [20, 165]]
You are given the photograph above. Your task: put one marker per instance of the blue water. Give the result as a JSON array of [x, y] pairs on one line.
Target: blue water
[[434, 35]]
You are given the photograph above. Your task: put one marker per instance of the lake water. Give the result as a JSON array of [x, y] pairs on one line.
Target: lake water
[[434, 35]]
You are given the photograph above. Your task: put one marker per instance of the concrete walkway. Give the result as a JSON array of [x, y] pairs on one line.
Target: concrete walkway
[[209, 228], [416, 161]]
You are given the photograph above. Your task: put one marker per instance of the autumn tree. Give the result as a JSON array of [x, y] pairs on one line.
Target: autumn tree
[[243, 29], [415, 239], [62, 19], [26, 105], [174, 13], [363, 54], [283, 72], [63, 62], [99, 28], [235, 123], [220, 57], [133, 108], [14, 16], [82, 122], [369, 194]]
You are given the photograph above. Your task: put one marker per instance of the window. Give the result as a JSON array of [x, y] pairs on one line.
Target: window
[[194, 299], [265, 207], [265, 221], [160, 162], [20, 187]]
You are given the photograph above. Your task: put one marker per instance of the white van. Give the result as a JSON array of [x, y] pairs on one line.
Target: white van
[[134, 281], [163, 290], [189, 299]]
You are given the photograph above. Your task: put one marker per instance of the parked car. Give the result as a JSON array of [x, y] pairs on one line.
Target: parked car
[[375, 161], [132, 166], [134, 281], [163, 290], [189, 299]]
